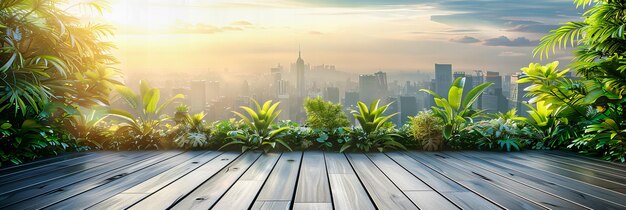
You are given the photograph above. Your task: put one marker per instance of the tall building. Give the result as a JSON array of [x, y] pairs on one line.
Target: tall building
[[197, 96], [368, 87], [331, 94], [443, 79], [300, 82], [394, 107], [408, 107], [381, 77]]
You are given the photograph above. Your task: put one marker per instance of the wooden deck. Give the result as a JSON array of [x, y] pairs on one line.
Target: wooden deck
[[315, 180]]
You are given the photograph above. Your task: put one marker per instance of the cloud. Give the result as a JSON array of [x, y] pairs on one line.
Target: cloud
[[535, 28], [511, 54], [315, 33], [505, 41], [465, 39], [241, 23], [204, 29]]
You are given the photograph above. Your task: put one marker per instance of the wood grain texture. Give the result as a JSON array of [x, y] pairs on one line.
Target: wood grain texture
[[102, 187], [478, 185], [313, 206], [281, 184], [241, 195], [313, 186], [346, 188], [383, 192], [145, 188], [46, 187], [536, 195], [588, 195], [209, 192], [315, 180], [169, 195]]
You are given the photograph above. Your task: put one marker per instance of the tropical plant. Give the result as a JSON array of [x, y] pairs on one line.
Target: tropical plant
[[372, 118], [502, 134], [193, 132], [374, 131], [323, 114], [456, 111], [50, 55], [182, 114], [86, 127], [259, 135], [599, 60], [426, 129], [141, 129], [51, 64]]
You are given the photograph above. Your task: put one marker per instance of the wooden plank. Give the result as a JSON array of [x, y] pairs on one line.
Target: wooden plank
[[599, 165], [382, 191], [313, 185], [588, 195], [45, 169], [312, 206], [71, 190], [39, 189], [481, 186], [417, 191], [346, 189], [169, 195], [143, 189], [591, 160], [281, 184], [241, 195], [555, 168], [457, 194], [581, 167], [536, 195], [65, 172], [43, 162], [205, 195], [96, 195], [271, 205]]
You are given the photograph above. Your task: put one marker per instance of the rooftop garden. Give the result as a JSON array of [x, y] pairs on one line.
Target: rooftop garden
[[58, 78]]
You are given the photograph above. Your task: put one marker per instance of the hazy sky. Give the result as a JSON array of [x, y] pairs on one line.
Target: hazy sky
[[356, 36]]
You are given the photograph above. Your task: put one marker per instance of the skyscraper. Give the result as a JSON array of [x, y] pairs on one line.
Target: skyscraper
[[443, 79], [300, 82], [408, 107], [381, 77], [331, 94], [368, 87]]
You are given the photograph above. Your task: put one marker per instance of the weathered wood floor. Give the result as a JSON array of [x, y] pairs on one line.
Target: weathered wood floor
[[315, 180]]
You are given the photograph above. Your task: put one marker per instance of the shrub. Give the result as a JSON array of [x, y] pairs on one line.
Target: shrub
[[375, 132], [426, 130], [192, 132], [324, 114], [260, 134], [142, 130], [502, 134], [456, 110]]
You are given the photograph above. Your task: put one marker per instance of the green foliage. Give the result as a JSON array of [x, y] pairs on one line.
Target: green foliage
[[193, 132], [456, 111], [324, 114], [426, 128], [371, 119], [375, 132], [259, 135], [503, 134], [599, 60], [140, 129], [52, 64], [49, 55]]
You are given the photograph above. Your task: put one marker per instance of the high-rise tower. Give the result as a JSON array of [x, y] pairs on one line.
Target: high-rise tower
[[300, 76]]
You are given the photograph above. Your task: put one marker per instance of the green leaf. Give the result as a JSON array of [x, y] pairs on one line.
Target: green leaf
[[6, 126]]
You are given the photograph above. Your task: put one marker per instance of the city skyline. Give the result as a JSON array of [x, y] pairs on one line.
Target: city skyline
[[356, 36]]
